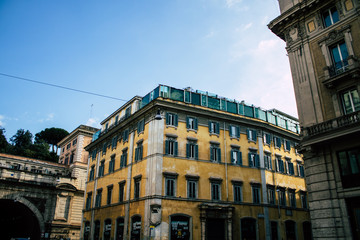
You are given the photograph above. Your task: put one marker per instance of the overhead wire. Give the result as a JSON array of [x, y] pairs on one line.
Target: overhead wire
[[59, 86]]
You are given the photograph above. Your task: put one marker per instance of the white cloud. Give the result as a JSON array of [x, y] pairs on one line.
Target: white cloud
[[93, 122], [232, 3], [48, 118]]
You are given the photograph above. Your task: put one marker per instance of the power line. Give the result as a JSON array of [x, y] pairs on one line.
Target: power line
[[58, 86]]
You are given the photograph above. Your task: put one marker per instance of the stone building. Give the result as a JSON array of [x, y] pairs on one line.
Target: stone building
[[184, 164], [323, 44]]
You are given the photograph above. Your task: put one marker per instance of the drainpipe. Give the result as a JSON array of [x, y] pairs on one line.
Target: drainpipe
[[226, 167]]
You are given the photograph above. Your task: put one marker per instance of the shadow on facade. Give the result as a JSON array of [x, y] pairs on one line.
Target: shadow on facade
[[17, 221]]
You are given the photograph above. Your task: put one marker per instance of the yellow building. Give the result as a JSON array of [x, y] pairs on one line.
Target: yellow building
[[184, 164]]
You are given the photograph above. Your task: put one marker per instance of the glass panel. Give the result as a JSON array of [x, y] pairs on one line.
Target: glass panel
[[204, 100], [344, 164], [336, 56], [231, 107], [177, 94], [327, 19], [344, 51], [347, 103], [271, 118], [248, 110], [213, 103], [187, 96], [164, 91], [355, 99], [334, 15], [145, 100], [282, 123], [223, 104], [353, 162], [155, 93], [195, 98], [241, 109], [262, 115]]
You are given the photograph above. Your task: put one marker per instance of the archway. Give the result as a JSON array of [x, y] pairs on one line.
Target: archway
[[18, 221]]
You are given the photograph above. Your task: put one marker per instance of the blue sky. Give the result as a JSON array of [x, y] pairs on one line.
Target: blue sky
[[123, 48]]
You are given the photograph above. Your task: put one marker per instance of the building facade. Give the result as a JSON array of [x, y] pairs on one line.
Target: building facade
[[184, 164], [323, 45], [39, 199]]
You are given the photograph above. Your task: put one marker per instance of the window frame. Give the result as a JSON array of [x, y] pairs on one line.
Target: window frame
[[215, 153], [109, 194], [256, 193], [331, 16], [351, 100], [237, 192]]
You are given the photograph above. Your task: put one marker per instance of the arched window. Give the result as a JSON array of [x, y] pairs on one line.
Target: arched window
[[87, 230], [135, 227], [248, 229], [96, 230], [290, 227], [119, 229], [107, 229], [179, 227]]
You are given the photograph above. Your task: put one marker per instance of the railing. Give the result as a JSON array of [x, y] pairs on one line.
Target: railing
[[332, 124], [338, 68]]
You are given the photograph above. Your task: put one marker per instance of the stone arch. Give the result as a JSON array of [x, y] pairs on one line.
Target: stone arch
[[27, 203]]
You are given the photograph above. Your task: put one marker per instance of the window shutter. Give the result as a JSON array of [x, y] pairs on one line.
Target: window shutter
[[277, 165], [175, 148], [187, 122], [248, 133], [187, 150], [240, 158], [257, 160], [210, 127], [219, 154], [196, 151], [230, 131], [211, 154], [254, 135], [237, 132], [167, 119], [282, 166], [176, 119], [136, 154], [291, 168], [141, 152], [195, 124], [166, 146], [217, 128]]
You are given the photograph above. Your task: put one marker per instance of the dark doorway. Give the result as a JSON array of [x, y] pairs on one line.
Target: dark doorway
[[17, 221], [274, 230], [353, 205], [215, 229], [248, 229], [290, 230], [119, 229], [180, 229]]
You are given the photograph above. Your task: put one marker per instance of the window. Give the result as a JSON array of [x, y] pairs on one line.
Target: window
[[191, 123], [170, 185], [123, 158], [101, 168], [98, 198], [290, 229], [287, 145], [277, 142], [330, 16], [74, 142], [68, 146], [303, 199], [92, 171], [128, 112], [72, 157], [66, 160], [256, 194], [116, 119], [112, 164], [88, 201], [215, 190], [107, 229], [350, 101], [292, 199], [135, 227], [300, 169], [281, 196], [141, 126], [114, 142], [109, 194], [248, 228], [339, 55], [192, 186], [192, 150], [126, 135], [119, 229], [349, 161], [279, 164], [104, 148], [237, 188], [271, 194], [171, 119], [267, 161], [139, 152], [137, 181], [93, 154], [171, 147], [214, 127], [289, 167], [254, 159], [234, 131], [179, 227], [121, 191], [236, 156], [267, 138], [251, 135], [215, 153]]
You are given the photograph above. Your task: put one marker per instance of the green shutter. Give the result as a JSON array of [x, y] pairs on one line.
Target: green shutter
[[231, 155], [136, 154], [195, 123], [196, 151], [218, 150], [240, 158], [187, 123], [210, 126], [166, 146], [167, 119], [176, 119], [141, 152], [187, 150], [257, 160], [211, 154], [175, 148], [217, 128]]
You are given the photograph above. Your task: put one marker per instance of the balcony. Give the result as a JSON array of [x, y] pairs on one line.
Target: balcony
[[348, 69], [331, 129]]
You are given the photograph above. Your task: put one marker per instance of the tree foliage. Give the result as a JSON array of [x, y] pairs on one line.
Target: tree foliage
[[22, 143], [51, 136]]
